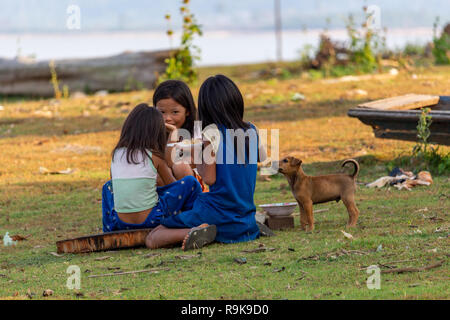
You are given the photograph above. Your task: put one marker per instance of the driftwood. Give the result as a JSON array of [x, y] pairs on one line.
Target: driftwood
[[129, 70], [104, 242]]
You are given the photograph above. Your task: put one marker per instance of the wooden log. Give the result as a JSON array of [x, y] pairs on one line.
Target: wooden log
[[126, 71], [405, 102], [104, 241]]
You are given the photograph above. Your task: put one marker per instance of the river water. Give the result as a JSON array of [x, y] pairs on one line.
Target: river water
[[217, 47]]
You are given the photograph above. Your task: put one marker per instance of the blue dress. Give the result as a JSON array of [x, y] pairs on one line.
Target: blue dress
[[173, 199], [229, 204]]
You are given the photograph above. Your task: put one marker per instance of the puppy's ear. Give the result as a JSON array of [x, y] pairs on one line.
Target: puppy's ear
[[296, 162]]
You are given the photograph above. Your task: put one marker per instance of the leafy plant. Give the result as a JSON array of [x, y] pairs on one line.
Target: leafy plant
[[437, 162], [424, 156], [423, 132], [66, 91], [441, 48], [365, 44], [181, 64], [54, 80]]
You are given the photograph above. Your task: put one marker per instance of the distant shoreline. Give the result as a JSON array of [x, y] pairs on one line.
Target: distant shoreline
[[218, 47]]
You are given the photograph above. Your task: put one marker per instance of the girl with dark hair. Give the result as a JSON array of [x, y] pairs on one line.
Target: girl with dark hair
[[229, 204], [174, 99], [131, 199]]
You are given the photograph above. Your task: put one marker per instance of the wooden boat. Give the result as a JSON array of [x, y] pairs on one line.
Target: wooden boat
[[397, 117]]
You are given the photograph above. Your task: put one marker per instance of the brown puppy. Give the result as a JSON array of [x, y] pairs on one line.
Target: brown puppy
[[309, 190]]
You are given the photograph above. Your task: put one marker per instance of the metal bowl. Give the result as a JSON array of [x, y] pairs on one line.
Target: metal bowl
[[279, 209]]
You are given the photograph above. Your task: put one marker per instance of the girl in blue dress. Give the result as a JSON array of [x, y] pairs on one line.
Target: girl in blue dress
[[229, 167]]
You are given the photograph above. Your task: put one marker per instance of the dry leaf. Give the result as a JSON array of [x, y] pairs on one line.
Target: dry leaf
[[347, 235], [19, 237], [47, 293], [55, 254], [43, 170], [240, 260]]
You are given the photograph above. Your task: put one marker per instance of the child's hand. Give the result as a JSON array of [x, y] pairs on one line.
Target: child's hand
[[170, 127], [173, 132]]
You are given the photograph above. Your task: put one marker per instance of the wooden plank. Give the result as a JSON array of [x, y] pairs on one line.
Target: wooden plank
[[406, 102], [104, 241]]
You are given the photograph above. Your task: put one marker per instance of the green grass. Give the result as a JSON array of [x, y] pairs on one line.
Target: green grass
[[388, 217], [302, 266]]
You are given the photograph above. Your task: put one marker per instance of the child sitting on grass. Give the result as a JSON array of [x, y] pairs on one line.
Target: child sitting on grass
[[132, 200], [174, 99], [230, 172]]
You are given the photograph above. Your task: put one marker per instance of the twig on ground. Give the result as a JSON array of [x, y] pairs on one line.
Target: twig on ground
[[155, 270], [248, 285], [410, 269]]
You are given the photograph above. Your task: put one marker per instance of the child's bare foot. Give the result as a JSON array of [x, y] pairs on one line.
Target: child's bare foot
[[199, 237]]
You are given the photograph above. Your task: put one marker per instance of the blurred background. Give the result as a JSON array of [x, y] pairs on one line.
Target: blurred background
[[233, 31]]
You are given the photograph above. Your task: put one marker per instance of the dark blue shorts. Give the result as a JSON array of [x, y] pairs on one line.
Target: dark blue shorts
[[173, 199]]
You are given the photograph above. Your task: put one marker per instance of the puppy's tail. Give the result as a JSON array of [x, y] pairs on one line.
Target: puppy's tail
[[355, 163]]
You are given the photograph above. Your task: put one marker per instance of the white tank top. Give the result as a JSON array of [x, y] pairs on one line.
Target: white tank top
[[134, 185]]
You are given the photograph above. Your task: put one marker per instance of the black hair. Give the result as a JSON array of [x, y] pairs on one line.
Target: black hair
[[180, 92], [221, 102], [143, 130]]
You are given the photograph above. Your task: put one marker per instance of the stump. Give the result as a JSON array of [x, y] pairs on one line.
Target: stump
[[104, 241]]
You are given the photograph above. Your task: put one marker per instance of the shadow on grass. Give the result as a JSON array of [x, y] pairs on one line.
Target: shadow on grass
[[59, 126], [367, 165], [301, 111], [41, 126]]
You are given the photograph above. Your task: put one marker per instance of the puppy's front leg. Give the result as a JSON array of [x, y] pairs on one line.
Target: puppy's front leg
[[303, 217], [308, 206]]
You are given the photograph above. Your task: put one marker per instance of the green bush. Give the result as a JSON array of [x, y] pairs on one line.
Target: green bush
[[441, 48]]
